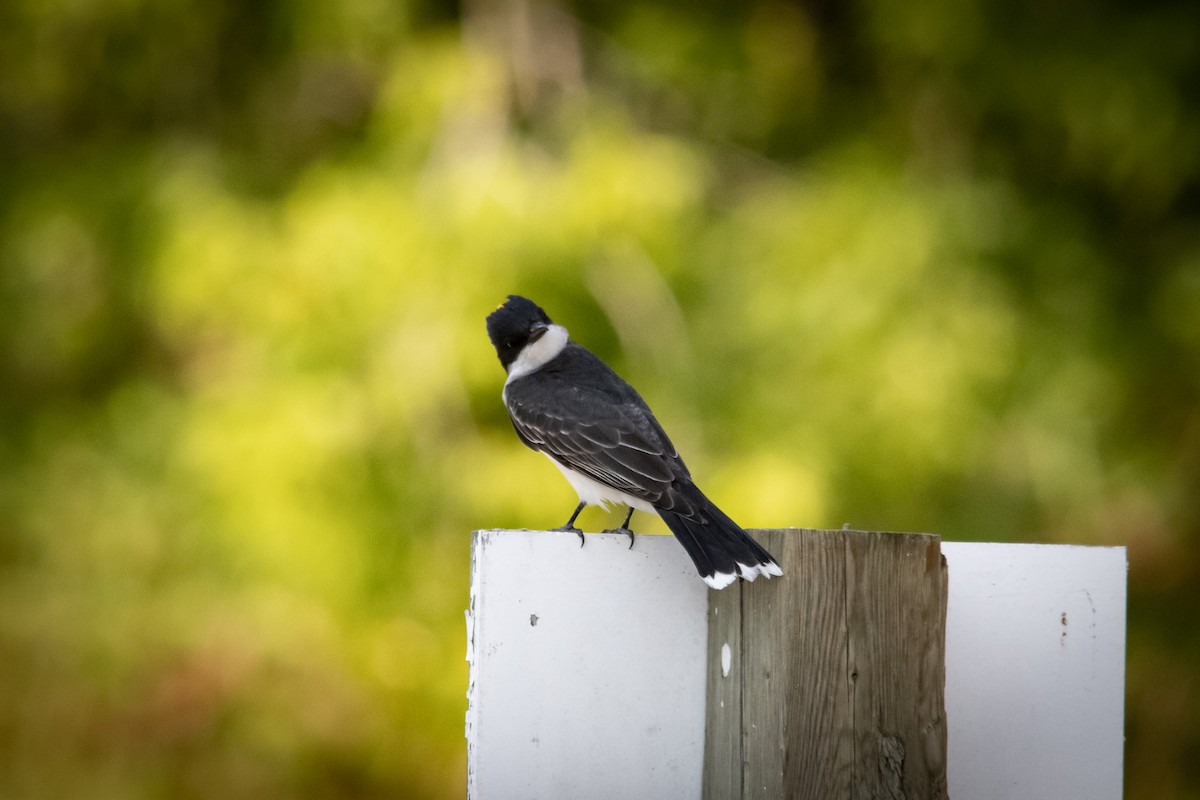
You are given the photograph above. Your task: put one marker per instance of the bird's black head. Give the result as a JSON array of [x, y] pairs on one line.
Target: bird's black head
[[513, 325]]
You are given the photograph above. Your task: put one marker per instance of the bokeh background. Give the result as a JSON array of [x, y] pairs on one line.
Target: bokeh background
[[926, 266]]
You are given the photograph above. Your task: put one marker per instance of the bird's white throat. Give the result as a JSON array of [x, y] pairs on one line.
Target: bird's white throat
[[535, 355]]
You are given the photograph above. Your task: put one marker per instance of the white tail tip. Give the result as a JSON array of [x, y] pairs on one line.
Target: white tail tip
[[722, 579]]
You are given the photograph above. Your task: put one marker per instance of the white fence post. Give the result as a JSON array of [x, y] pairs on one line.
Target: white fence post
[[588, 669]]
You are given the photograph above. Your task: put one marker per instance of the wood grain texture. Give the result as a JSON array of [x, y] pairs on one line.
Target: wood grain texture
[[837, 673], [723, 712]]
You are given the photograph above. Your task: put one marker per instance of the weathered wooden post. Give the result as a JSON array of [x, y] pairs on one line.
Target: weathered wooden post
[[830, 683]]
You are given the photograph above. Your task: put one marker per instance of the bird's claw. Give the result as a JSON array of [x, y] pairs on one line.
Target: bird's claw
[[570, 529], [625, 531]]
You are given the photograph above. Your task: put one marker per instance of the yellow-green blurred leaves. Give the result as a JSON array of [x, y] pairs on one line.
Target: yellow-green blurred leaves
[[59, 269], [903, 266]]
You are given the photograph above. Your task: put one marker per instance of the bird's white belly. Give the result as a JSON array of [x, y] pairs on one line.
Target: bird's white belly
[[594, 493]]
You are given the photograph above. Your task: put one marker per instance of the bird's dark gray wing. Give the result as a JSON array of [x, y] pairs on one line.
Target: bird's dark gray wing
[[601, 429]]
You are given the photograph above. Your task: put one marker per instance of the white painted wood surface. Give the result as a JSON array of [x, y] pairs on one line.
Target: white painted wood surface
[[587, 668], [604, 696], [1035, 671]]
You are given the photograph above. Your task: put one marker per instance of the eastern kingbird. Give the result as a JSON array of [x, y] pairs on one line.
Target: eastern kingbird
[[567, 403]]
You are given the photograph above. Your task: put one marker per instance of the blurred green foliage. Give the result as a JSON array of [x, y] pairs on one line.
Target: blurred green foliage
[[928, 266]]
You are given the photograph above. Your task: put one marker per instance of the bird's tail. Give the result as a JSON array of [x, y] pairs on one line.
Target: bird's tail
[[720, 549]]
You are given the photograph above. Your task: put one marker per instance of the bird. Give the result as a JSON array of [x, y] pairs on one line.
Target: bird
[[565, 402]]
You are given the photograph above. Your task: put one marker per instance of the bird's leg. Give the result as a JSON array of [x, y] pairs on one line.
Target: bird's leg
[[570, 526], [625, 528]]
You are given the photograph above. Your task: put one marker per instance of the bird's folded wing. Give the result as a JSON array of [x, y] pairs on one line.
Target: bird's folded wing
[[617, 444]]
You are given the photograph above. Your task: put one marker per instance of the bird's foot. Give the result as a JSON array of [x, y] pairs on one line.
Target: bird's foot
[[625, 531], [570, 529]]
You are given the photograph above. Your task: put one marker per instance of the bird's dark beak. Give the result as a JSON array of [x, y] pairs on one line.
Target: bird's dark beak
[[537, 331]]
